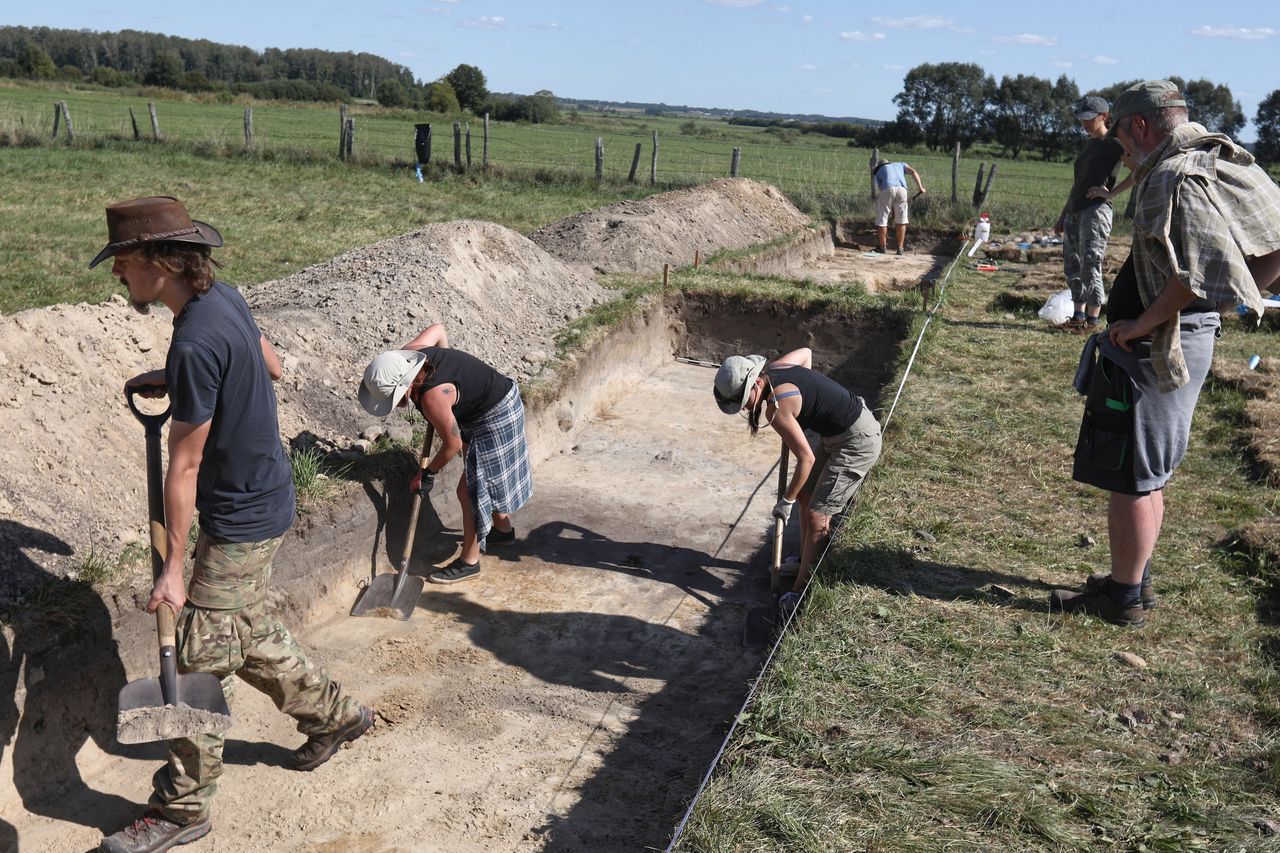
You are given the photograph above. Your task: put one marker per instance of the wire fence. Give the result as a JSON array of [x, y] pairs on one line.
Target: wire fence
[[805, 166]]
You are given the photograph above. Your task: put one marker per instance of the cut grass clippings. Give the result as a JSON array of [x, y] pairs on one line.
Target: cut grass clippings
[[914, 706]]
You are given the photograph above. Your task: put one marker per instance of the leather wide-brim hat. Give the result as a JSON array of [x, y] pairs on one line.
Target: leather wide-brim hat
[[387, 379], [155, 219]]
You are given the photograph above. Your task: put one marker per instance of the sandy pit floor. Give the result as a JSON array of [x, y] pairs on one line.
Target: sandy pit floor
[[878, 273], [569, 698]]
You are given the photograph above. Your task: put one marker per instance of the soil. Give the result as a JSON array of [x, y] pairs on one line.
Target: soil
[[640, 236]]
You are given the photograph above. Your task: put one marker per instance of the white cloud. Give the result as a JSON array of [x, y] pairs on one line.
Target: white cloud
[[1104, 60], [736, 4], [858, 35], [807, 19], [1247, 33], [784, 8], [484, 22], [917, 22], [1027, 38], [808, 66], [893, 67], [1062, 63]]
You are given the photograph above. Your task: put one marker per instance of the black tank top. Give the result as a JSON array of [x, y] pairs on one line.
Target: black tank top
[[480, 387], [826, 407]]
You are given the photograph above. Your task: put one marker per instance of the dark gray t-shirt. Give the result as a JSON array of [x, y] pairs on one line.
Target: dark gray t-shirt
[[1097, 166], [215, 372]]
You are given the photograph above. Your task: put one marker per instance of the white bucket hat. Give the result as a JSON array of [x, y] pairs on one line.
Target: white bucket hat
[[734, 380], [387, 380]]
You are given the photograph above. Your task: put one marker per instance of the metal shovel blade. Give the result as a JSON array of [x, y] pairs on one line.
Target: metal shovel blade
[[201, 708], [380, 597]]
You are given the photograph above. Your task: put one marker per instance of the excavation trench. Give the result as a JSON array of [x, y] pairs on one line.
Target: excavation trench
[[569, 698]]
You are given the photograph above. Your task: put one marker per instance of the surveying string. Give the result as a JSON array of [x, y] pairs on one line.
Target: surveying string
[[813, 576]]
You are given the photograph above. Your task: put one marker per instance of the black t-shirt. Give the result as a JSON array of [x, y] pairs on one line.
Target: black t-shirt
[[1097, 166], [826, 406], [479, 386], [1125, 303], [216, 373]]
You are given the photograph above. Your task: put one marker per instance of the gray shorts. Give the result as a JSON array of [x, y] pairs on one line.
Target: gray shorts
[[1133, 435], [841, 463], [1084, 246]]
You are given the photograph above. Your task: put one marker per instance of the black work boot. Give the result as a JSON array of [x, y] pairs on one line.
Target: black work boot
[[154, 832], [320, 748], [1097, 602], [1102, 580]]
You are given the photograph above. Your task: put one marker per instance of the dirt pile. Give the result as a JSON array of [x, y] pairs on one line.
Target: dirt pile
[[640, 236], [72, 465]]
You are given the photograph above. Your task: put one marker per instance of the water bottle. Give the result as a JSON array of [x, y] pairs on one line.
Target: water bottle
[[418, 170], [1254, 360], [982, 231]]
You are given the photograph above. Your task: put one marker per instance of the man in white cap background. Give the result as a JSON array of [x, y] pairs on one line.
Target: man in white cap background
[[1206, 232], [890, 181], [1085, 221], [793, 397], [227, 461], [477, 412]]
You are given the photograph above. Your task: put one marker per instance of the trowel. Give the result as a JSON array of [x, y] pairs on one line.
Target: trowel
[[172, 705]]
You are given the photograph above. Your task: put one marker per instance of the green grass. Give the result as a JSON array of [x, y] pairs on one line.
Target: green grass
[[914, 709], [316, 480]]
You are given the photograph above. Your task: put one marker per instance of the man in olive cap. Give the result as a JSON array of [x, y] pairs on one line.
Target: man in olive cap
[[1206, 232], [226, 460]]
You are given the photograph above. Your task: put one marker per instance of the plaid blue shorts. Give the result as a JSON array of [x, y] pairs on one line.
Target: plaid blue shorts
[[499, 478]]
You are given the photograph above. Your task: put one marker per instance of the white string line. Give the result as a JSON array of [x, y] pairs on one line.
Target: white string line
[[813, 575]]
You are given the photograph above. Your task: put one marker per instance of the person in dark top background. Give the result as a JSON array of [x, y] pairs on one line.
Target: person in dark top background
[[793, 398], [227, 461], [477, 412], [1085, 221]]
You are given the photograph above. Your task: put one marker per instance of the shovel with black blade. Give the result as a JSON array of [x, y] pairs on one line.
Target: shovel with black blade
[[173, 705], [396, 595]]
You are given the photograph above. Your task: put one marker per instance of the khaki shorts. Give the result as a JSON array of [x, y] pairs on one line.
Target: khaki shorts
[[841, 463], [891, 199]]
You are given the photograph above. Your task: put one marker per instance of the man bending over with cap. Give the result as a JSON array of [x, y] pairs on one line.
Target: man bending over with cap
[[477, 412], [1206, 232], [226, 460]]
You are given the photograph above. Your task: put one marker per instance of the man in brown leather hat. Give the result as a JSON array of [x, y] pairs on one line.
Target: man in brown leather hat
[[232, 468]]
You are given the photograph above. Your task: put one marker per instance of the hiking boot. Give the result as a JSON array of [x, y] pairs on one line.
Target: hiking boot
[[153, 832], [320, 748], [900, 252], [1096, 602], [501, 537], [454, 572], [880, 250], [1102, 580]]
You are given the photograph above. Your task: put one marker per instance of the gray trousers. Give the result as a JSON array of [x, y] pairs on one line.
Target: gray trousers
[[1084, 242]]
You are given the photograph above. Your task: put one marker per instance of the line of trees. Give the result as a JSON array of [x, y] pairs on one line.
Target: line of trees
[[947, 103]]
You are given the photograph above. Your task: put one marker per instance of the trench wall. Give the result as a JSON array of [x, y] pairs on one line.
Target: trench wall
[[797, 252]]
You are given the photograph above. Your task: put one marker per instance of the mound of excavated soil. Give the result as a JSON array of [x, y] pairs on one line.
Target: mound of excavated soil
[[640, 236], [72, 469]]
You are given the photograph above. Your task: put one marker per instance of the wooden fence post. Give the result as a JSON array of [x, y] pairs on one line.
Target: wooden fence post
[[468, 132], [484, 161], [457, 145], [134, 121], [653, 166], [635, 164], [66, 119], [697, 258], [422, 142], [342, 131], [982, 202], [599, 158], [735, 162], [155, 121], [977, 185], [666, 274], [955, 172], [871, 165], [248, 127], [350, 136], [57, 118]]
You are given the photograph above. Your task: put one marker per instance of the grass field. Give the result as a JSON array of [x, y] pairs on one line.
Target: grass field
[[914, 708]]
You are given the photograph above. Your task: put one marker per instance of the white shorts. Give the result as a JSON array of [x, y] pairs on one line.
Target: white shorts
[[895, 199]]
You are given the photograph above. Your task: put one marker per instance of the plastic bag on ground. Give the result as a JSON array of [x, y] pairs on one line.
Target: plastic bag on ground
[[1058, 309]]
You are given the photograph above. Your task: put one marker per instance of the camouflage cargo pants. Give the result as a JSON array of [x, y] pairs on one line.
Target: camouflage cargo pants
[[1084, 246], [225, 630]]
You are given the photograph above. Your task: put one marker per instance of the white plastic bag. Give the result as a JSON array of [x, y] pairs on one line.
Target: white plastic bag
[[1058, 309]]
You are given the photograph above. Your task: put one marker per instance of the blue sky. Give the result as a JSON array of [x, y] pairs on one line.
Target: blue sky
[[835, 58]]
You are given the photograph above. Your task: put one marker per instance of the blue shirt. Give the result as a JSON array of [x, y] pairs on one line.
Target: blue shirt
[[216, 374], [891, 175]]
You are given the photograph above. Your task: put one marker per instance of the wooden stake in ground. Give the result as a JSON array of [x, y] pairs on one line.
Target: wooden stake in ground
[[733, 164], [635, 164], [155, 121], [484, 157], [134, 121], [248, 127], [467, 130], [57, 118], [955, 173], [666, 277], [977, 185], [350, 136], [991, 176], [599, 158], [653, 167], [342, 131], [457, 145], [66, 119]]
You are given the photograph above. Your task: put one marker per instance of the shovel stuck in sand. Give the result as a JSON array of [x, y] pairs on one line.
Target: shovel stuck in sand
[[396, 595], [173, 705]]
